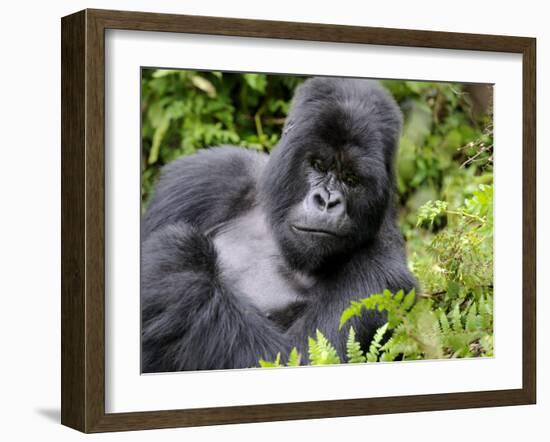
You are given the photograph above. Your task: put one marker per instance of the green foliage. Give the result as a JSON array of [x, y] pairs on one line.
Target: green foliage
[[420, 332], [321, 351], [376, 343], [183, 111], [273, 364], [353, 349], [445, 152], [294, 358], [458, 261]]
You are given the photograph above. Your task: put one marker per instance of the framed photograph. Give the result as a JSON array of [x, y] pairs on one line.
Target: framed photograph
[[268, 220]]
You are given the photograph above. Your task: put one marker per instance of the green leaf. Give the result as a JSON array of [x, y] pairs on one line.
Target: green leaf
[[429, 334], [159, 73], [486, 315], [204, 85], [321, 351], [294, 358], [274, 364], [353, 310], [375, 345], [472, 319], [353, 349], [486, 343], [456, 319], [258, 82], [453, 289], [409, 299], [445, 327], [399, 295], [158, 137]]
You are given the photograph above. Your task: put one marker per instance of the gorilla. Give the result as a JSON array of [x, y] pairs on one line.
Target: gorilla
[[245, 255]]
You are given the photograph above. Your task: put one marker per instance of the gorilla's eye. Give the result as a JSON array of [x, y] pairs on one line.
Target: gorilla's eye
[[318, 165], [350, 179]]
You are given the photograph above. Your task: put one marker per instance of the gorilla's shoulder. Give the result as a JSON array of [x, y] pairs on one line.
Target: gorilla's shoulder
[[206, 188], [225, 161]]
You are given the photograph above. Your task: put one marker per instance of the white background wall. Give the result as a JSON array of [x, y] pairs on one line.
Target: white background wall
[[30, 216]]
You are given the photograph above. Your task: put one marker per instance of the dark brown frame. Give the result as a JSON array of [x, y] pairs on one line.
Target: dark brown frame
[[83, 220]]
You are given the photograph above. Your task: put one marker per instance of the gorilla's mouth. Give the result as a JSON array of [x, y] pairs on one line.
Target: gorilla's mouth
[[314, 230]]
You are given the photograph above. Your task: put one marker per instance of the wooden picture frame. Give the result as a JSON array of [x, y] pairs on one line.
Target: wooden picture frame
[[83, 220]]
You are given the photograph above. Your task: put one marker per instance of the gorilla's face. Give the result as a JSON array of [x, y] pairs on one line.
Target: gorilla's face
[[329, 182], [342, 202]]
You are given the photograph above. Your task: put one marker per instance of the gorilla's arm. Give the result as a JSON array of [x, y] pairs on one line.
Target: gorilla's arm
[[205, 189], [190, 320]]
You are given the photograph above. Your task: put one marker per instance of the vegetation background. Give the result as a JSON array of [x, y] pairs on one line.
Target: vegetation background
[[444, 185]]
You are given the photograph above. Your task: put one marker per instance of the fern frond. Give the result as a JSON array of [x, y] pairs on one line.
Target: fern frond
[[353, 349], [456, 319], [443, 321], [472, 319], [294, 358], [321, 351], [269, 364], [374, 348]]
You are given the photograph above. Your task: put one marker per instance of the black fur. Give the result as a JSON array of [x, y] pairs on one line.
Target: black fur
[[317, 216]]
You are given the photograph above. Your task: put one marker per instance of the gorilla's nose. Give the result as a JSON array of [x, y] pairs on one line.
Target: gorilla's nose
[[331, 201]]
